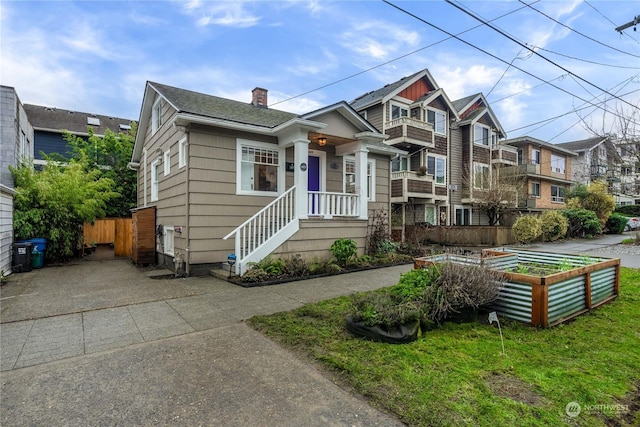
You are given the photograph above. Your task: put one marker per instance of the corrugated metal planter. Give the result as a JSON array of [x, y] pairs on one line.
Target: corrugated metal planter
[[545, 300]]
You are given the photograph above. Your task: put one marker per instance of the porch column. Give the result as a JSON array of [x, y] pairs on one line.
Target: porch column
[[300, 180], [361, 181]]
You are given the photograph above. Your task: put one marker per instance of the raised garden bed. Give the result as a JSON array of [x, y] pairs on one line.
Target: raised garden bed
[[570, 286]]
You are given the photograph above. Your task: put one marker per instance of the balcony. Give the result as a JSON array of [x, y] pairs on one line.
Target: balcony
[[504, 154], [598, 171], [408, 130], [409, 184]]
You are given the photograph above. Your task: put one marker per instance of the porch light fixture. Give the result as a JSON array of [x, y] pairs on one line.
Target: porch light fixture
[[322, 142]]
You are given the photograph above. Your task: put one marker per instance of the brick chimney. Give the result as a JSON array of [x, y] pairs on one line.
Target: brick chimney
[[259, 98]]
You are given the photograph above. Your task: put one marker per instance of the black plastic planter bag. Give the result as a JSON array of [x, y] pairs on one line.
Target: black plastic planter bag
[[399, 335]]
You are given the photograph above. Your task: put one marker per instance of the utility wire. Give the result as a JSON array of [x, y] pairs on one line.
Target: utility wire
[[492, 55], [612, 23], [479, 19], [576, 31], [394, 59], [505, 72], [560, 77], [583, 60]]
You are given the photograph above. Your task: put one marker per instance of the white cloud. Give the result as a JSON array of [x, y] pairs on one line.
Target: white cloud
[[225, 13], [369, 42]]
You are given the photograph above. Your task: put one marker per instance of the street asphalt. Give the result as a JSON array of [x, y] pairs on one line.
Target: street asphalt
[[101, 342]]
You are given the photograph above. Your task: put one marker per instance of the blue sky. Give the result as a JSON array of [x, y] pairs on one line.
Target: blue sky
[[95, 56]]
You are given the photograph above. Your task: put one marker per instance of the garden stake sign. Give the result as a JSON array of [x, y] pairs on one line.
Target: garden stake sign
[[493, 317]]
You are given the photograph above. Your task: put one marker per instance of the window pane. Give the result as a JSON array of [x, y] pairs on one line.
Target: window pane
[[259, 169]]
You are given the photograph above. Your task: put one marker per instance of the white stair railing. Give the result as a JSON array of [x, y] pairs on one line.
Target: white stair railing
[[261, 234]]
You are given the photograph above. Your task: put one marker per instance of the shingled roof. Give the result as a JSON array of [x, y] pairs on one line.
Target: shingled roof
[[186, 101], [377, 95], [58, 120], [583, 144]]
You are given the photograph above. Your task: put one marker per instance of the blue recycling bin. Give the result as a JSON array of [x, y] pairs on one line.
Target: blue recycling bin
[[40, 245]]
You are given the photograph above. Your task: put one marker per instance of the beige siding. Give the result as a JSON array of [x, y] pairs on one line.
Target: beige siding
[[316, 236], [455, 171]]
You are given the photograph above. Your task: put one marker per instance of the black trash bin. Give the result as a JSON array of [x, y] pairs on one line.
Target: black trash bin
[[22, 257]]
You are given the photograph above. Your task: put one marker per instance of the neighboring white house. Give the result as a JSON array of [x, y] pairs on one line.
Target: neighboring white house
[[16, 142]]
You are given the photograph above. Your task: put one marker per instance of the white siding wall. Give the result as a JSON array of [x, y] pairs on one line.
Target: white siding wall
[[6, 228]]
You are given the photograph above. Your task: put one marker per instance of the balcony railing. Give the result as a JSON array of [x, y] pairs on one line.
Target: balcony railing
[[504, 154], [406, 129], [330, 205]]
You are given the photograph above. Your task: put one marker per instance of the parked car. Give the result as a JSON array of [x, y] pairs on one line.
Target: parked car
[[632, 224]]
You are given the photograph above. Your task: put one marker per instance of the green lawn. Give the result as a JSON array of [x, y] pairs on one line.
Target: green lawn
[[456, 375]]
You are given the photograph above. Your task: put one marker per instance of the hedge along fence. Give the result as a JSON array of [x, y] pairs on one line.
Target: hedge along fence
[[544, 300]]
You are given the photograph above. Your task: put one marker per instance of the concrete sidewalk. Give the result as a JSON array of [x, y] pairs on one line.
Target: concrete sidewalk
[[101, 343]]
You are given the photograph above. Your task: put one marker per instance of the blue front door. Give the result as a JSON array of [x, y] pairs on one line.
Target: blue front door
[[313, 183]]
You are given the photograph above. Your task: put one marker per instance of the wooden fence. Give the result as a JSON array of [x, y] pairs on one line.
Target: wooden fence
[[466, 235], [108, 231]]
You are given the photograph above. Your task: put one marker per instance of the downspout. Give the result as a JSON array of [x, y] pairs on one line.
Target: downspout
[[187, 204], [144, 181]]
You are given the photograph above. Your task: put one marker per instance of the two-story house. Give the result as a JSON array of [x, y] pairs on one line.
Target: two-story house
[[234, 180], [50, 123], [16, 143], [629, 186], [546, 171], [416, 114]]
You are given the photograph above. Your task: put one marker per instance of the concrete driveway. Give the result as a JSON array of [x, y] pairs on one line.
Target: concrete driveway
[[101, 343]]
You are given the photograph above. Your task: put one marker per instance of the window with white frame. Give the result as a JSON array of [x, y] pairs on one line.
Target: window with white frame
[[398, 111], [258, 168], [438, 120], [557, 194], [535, 156], [166, 162], [155, 175], [156, 115], [169, 238], [437, 166], [182, 152], [481, 176], [350, 177], [535, 189], [399, 164], [557, 164], [481, 135]]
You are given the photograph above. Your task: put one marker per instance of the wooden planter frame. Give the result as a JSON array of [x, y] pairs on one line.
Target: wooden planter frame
[[552, 299]]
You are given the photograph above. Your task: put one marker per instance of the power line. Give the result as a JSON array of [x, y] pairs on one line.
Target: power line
[[560, 77], [576, 31], [492, 55], [584, 60], [488, 24], [505, 71], [613, 23], [394, 59]]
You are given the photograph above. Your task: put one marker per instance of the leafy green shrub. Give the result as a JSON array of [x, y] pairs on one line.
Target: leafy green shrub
[[616, 223], [411, 285], [457, 287], [527, 228], [629, 210], [582, 222], [554, 226], [344, 250]]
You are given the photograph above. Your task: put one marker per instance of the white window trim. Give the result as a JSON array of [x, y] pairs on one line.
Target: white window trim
[[169, 249], [156, 115], [483, 165], [481, 140], [558, 159], [281, 167], [372, 164], [182, 152], [462, 208], [435, 214], [557, 199], [166, 162], [155, 184], [436, 111], [401, 106], [440, 157]]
